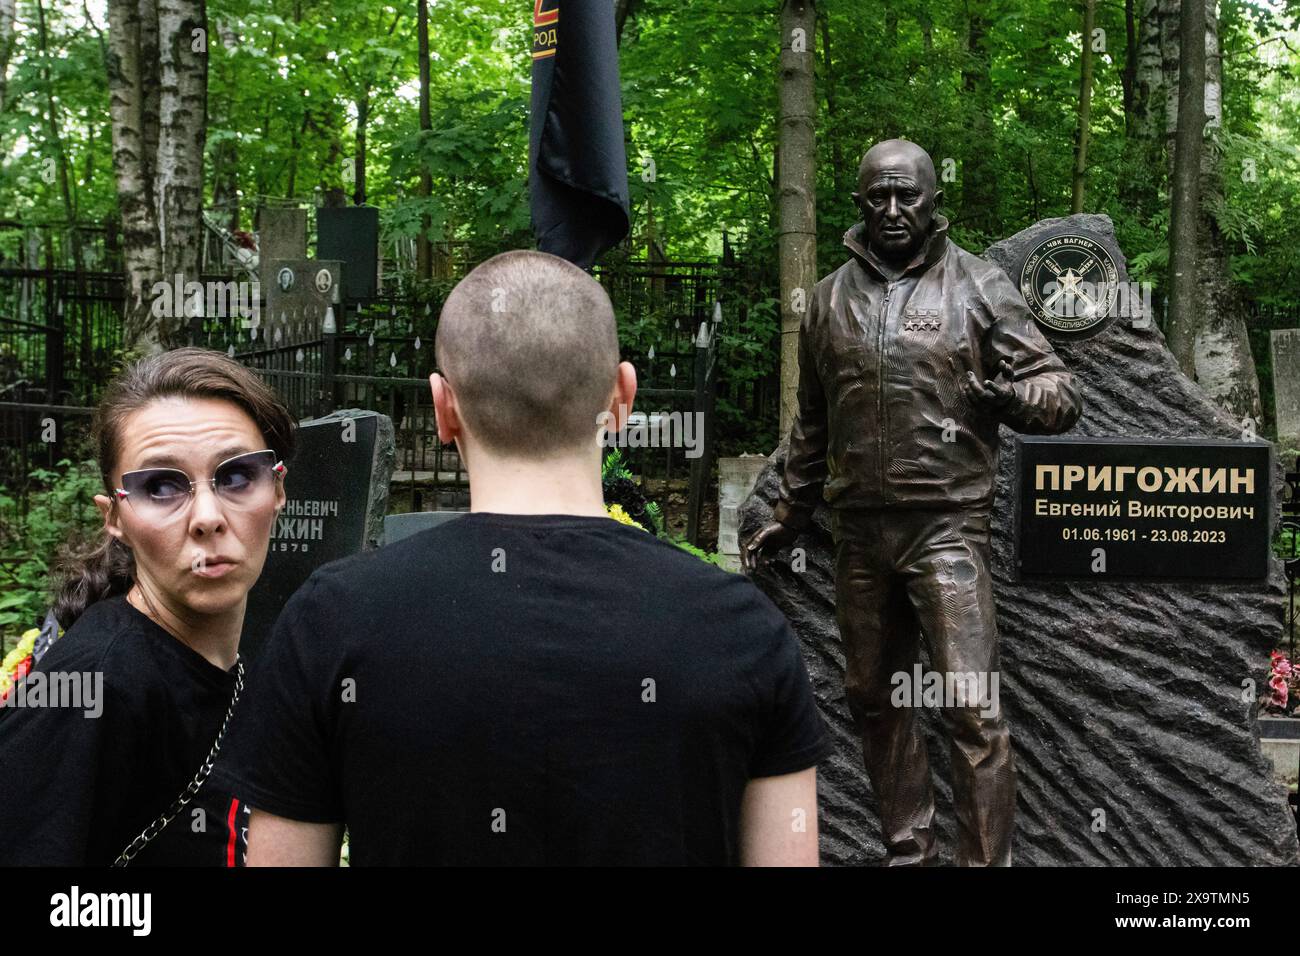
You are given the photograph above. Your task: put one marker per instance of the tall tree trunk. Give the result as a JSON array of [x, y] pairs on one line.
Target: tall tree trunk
[[8, 10], [158, 81], [1207, 316], [182, 134], [1128, 76], [796, 189], [424, 251], [1185, 188], [979, 192], [1144, 126], [359, 161], [838, 169], [133, 158], [1085, 108]]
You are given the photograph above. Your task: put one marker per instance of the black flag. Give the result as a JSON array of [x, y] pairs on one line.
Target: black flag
[[577, 167]]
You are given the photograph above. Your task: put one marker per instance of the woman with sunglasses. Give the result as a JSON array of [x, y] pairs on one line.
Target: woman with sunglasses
[[111, 765]]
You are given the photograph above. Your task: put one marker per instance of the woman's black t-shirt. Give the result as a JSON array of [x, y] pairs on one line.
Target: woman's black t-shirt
[[81, 779]]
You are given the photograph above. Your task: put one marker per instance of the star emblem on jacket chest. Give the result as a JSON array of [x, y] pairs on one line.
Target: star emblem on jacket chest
[[922, 320]]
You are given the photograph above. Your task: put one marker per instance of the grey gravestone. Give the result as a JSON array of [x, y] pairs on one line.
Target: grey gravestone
[[1286, 385], [400, 526], [281, 234], [1135, 740], [298, 298], [337, 490]]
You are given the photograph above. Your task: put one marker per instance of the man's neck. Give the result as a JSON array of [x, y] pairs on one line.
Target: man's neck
[[566, 486]]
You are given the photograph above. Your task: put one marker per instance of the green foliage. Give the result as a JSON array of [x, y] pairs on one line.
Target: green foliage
[[1287, 544], [60, 508], [746, 356], [621, 488], [708, 557]]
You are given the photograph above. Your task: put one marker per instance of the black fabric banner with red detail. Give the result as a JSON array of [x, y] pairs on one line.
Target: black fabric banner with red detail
[[577, 165]]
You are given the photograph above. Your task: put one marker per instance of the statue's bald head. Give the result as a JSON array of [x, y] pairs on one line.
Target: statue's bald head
[[529, 344], [899, 157], [897, 197]]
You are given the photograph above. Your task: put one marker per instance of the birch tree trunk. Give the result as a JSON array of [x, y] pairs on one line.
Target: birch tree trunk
[[182, 133], [1206, 330], [796, 189], [133, 156], [158, 82], [1144, 112]]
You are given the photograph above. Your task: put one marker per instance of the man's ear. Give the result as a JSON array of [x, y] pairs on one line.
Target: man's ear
[[620, 405], [445, 411], [857, 204], [938, 198]]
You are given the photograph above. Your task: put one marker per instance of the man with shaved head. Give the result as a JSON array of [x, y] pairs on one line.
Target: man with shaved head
[[911, 355], [533, 682]]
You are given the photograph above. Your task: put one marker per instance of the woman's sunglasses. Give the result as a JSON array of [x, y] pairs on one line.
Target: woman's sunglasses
[[245, 482]]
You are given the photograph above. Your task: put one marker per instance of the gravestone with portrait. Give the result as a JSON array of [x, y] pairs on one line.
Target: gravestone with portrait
[[337, 496], [1137, 600], [281, 234], [300, 297]]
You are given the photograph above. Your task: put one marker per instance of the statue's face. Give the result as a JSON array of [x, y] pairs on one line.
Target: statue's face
[[897, 198]]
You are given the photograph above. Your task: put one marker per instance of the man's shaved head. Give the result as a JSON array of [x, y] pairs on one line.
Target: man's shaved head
[[900, 157], [527, 341]]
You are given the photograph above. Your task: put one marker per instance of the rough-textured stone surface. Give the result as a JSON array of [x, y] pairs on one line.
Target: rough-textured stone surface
[[1122, 698], [381, 469]]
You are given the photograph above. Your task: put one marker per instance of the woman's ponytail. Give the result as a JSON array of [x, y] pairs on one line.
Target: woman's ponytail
[[86, 576]]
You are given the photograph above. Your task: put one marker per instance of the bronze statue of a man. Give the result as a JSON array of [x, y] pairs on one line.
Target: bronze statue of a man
[[911, 354]]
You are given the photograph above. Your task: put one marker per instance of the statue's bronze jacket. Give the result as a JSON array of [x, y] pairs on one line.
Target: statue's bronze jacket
[[883, 420]]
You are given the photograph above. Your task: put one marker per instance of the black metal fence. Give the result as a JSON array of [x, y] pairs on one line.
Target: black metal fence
[[61, 307], [378, 354]]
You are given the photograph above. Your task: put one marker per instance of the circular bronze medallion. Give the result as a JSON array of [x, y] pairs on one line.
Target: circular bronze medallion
[[1071, 283]]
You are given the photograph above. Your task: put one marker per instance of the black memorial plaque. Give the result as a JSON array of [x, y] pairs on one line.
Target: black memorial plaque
[[1128, 509], [351, 235], [336, 490]]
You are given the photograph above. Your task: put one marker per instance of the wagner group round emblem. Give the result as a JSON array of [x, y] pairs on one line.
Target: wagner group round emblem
[[1071, 283]]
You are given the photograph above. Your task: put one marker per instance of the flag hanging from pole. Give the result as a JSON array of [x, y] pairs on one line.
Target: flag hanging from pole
[[577, 166]]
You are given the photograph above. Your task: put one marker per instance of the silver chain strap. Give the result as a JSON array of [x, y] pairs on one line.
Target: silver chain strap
[[188, 794]]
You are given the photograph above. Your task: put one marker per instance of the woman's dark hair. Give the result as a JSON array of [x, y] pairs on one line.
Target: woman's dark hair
[[109, 568]]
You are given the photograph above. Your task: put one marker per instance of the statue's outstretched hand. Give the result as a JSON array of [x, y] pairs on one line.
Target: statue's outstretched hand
[[994, 394], [765, 542]]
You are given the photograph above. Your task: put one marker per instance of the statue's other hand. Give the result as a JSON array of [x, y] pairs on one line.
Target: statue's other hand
[[765, 542], [993, 394]]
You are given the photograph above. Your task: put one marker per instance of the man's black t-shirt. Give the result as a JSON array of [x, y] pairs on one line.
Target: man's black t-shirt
[[525, 689], [78, 784]]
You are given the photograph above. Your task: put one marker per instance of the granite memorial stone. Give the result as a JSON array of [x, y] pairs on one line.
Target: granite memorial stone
[[337, 491]]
